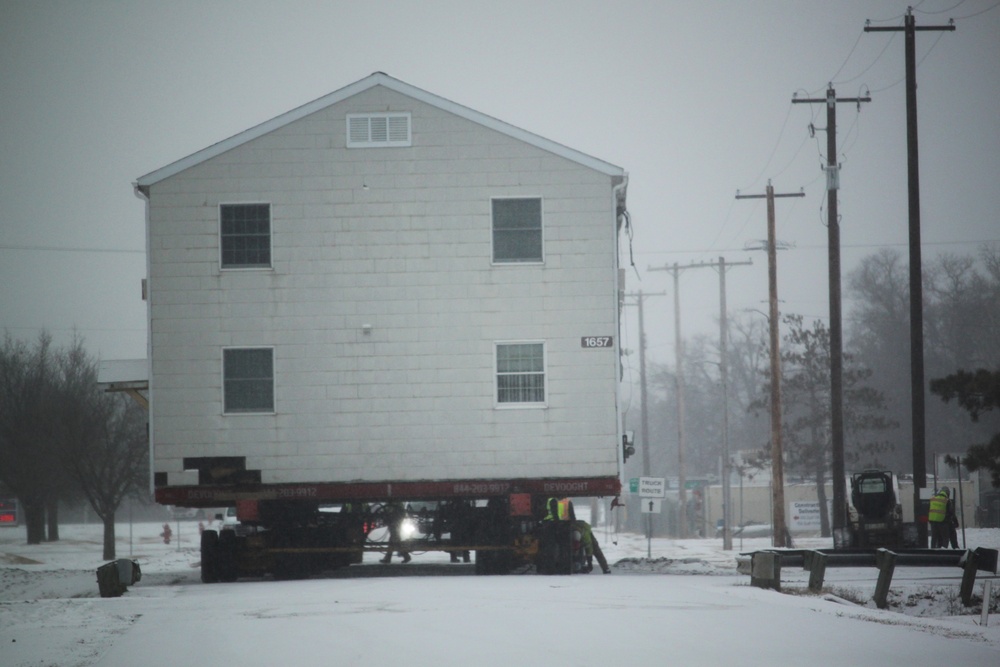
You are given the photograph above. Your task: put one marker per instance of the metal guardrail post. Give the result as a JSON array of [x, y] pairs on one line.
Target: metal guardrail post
[[765, 570], [885, 560], [817, 570], [969, 568]]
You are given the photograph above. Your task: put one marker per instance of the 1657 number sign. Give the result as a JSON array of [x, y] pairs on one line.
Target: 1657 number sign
[[597, 341]]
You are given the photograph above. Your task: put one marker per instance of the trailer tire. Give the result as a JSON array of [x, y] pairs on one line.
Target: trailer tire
[[225, 556], [287, 566], [484, 562], [554, 548], [209, 556]]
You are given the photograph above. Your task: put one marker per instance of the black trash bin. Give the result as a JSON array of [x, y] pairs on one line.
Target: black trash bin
[[115, 577]]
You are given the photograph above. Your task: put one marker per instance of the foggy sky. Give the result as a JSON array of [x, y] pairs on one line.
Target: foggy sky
[[692, 98]]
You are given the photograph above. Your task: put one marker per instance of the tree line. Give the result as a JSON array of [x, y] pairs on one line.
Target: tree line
[[962, 362], [63, 438]]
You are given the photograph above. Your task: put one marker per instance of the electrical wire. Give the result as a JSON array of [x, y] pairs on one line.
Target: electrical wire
[[917, 66], [725, 222], [885, 48], [844, 64], [901, 244], [847, 135], [52, 248], [784, 124], [983, 11], [940, 11], [788, 164]]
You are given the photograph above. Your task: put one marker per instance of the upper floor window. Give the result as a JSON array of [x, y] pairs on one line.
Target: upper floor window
[[520, 373], [248, 379], [517, 230], [245, 235], [373, 130]]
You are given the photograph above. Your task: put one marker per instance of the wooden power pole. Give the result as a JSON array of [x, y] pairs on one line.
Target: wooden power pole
[[679, 381], [727, 511], [836, 327], [644, 413], [779, 530], [917, 389]]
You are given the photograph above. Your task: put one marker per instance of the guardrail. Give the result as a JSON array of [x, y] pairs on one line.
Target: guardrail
[[765, 566]]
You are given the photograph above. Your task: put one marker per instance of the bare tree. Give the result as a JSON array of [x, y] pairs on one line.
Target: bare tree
[[103, 440], [59, 432], [962, 330], [28, 387]]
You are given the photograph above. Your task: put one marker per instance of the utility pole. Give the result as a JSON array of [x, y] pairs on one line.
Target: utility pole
[[646, 458], [836, 327], [679, 381], [727, 536], [916, 286], [779, 531], [727, 539]]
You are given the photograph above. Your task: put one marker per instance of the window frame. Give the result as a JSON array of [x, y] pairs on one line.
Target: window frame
[[388, 143], [248, 411], [541, 232], [508, 405], [270, 239]]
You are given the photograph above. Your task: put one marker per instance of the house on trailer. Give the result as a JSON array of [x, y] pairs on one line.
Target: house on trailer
[[383, 285]]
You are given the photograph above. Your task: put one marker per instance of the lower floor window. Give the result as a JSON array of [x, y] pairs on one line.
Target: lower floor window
[[520, 373], [248, 379]]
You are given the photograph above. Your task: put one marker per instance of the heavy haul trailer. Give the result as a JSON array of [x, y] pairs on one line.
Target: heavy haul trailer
[[291, 532], [382, 296]]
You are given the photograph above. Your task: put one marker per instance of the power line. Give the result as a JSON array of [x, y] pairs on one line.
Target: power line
[[53, 248], [940, 11], [784, 124], [812, 246], [969, 16]]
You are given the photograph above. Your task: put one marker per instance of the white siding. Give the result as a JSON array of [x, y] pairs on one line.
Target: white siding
[[399, 239]]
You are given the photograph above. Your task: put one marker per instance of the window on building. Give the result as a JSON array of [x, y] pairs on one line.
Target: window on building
[[374, 130], [517, 230], [248, 379], [245, 232], [520, 373]]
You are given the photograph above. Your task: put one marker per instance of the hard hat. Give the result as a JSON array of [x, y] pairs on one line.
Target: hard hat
[[945, 490]]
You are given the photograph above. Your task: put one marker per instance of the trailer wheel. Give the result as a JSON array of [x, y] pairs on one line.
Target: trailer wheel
[[225, 556], [209, 556], [554, 548], [484, 562], [288, 565]]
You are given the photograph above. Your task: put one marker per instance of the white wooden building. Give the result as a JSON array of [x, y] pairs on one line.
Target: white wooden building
[[383, 285]]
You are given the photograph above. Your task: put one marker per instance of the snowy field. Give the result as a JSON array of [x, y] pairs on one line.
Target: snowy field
[[684, 605]]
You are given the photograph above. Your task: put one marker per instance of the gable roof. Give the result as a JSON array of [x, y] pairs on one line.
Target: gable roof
[[376, 79]]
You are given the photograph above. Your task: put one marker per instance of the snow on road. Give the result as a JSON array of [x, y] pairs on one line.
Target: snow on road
[[686, 605]]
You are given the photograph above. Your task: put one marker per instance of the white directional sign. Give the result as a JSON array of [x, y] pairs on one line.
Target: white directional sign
[[650, 505], [652, 487]]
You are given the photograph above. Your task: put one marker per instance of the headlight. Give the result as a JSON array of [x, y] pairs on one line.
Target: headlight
[[407, 529]]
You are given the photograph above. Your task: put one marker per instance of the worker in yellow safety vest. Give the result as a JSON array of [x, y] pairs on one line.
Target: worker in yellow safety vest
[[591, 548], [559, 510], [936, 516]]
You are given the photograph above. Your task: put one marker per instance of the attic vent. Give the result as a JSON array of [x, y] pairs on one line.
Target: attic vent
[[372, 130]]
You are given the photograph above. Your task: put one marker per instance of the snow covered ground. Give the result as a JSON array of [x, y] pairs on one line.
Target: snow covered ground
[[684, 605]]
